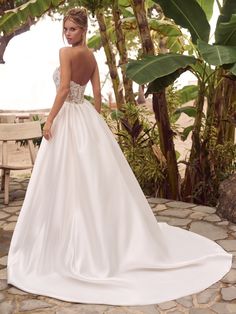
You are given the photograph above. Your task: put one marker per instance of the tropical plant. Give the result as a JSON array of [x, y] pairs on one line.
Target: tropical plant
[[214, 67], [16, 17], [139, 142]]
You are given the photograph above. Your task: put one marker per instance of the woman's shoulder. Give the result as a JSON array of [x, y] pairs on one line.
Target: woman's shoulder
[[75, 52], [65, 52]]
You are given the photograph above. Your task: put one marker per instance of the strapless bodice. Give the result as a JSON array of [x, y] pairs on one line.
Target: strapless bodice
[[76, 94]]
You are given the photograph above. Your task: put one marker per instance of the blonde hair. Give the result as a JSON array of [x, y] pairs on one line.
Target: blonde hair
[[80, 17]]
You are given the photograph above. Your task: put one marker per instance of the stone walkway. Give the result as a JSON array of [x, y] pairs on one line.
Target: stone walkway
[[219, 298]]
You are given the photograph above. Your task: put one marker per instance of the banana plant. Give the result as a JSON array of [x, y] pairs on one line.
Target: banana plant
[[16, 17], [13, 19], [214, 66]]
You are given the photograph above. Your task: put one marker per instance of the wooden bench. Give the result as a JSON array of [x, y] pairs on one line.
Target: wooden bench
[[12, 132]]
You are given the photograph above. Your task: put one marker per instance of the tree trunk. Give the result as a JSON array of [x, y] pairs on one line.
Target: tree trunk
[[193, 172], [111, 61], [142, 22], [159, 105], [121, 47], [141, 97], [166, 143], [228, 108]]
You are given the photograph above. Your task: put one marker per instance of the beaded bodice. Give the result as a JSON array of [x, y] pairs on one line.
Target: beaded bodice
[[76, 94]]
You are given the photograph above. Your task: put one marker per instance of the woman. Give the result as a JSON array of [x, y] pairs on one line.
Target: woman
[[86, 232]]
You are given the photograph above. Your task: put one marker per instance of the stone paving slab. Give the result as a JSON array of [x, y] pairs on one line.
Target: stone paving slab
[[218, 298]]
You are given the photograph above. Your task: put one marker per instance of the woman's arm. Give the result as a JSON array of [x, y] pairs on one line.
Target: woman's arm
[[95, 81], [62, 91]]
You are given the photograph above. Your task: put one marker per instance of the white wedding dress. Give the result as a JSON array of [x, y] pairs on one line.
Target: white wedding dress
[[86, 232]]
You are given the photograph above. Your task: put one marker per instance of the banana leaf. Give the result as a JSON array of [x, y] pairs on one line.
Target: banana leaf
[[217, 54], [207, 7], [12, 19], [152, 67], [225, 33], [162, 82], [188, 110], [226, 11], [188, 93], [187, 14]]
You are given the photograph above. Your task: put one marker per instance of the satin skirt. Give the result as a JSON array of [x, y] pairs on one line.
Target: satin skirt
[[86, 233]]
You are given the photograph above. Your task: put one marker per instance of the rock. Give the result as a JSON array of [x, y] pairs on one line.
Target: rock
[[181, 205], [3, 260], [179, 222], [226, 206], [167, 305], [228, 294], [223, 223], [6, 307], [198, 215], [186, 301], [14, 290], [212, 218], [90, 309], [3, 284], [16, 203], [234, 263], [3, 215], [11, 209], [200, 311], [157, 200], [159, 207], [162, 218], [224, 308], [230, 277], [208, 230], [205, 209], [33, 304], [3, 274], [2, 297], [12, 218], [150, 309], [228, 245], [180, 213], [207, 296], [10, 226], [232, 227]]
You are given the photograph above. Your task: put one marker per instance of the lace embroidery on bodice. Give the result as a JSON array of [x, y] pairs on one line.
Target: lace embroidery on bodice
[[76, 94]]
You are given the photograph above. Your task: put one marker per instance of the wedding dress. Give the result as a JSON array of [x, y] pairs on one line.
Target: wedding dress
[[86, 233]]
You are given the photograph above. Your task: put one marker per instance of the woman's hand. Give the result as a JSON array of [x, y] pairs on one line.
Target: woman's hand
[[47, 130]]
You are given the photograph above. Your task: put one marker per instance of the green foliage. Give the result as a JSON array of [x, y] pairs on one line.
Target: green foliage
[[225, 28], [187, 14], [188, 110], [217, 54], [152, 67], [137, 138], [187, 93], [162, 82], [226, 32], [14, 18], [207, 7]]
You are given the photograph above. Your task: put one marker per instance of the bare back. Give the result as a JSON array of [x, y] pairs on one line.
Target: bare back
[[83, 64]]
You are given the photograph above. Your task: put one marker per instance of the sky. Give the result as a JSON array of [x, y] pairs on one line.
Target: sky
[[26, 77], [30, 60]]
